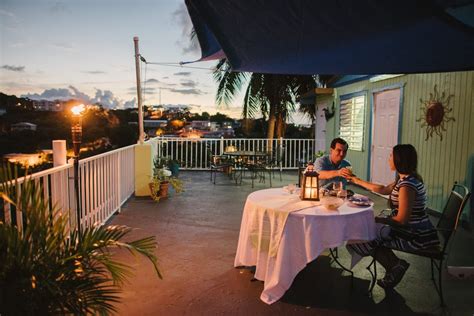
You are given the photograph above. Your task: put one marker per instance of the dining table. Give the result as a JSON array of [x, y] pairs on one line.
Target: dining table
[[244, 158], [280, 234]]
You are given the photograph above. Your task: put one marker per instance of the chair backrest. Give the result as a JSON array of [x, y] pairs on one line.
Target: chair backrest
[[210, 156], [449, 219]]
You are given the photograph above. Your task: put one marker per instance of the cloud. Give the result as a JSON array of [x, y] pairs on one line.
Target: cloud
[[107, 99], [58, 7], [187, 44], [50, 94], [149, 91], [166, 77], [130, 104], [63, 45], [182, 73], [188, 83], [94, 72], [104, 97], [152, 80], [14, 68], [188, 91], [7, 13]]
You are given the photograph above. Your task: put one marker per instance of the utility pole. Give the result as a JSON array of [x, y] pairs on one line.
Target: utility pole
[[141, 133], [160, 95]]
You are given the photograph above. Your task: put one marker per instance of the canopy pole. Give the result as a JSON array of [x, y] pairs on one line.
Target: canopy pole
[[141, 133]]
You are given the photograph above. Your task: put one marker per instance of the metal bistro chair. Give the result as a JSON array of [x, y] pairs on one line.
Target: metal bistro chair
[[218, 163], [446, 226], [259, 167], [276, 162]]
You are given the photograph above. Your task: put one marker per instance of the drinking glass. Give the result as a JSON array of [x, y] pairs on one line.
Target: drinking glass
[[349, 168], [337, 186], [342, 194]]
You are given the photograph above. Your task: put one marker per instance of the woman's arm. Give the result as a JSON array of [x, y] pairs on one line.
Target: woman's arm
[[378, 188], [406, 199]]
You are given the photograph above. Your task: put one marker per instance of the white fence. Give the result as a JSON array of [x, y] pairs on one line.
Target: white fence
[[106, 182], [193, 154]]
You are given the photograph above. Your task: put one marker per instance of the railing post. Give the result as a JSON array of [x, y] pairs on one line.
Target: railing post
[[119, 181], [222, 145], [280, 148]]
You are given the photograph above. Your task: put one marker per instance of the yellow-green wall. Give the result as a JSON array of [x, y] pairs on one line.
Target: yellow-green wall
[[441, 162]]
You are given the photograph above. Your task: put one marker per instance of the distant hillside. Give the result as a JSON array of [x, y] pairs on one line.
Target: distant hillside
[[9, 101]]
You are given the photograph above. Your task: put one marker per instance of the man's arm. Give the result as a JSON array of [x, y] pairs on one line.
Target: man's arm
[[329, 174]]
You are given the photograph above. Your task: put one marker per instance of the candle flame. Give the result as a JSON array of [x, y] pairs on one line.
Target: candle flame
[[78, 109]]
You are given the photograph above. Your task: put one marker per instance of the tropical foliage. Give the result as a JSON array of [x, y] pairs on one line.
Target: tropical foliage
[[272, 96], [48, 268]]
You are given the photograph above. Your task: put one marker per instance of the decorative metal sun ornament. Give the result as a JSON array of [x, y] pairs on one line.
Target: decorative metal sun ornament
[[435, 112]]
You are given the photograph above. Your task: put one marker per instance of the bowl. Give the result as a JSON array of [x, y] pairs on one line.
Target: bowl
[[331, 203]]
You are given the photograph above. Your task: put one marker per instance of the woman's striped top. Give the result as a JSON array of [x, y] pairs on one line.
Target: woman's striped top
[[427, 235]]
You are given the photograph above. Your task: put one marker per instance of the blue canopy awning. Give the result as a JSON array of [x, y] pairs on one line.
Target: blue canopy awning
[[337, 37]]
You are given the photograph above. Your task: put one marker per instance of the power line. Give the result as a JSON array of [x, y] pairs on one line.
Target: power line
[[173, 64], [179, 65]]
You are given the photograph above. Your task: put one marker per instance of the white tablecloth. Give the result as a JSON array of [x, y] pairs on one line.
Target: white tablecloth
[[280, 235]]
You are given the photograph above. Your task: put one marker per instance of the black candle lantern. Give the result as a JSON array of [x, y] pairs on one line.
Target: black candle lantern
[[310, 186]]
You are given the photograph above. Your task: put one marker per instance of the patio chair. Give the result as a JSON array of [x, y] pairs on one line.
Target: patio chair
[[259, 168], [276, 161], [447, 225], [218, 163]]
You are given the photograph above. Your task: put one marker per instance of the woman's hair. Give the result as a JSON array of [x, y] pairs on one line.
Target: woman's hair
[[405, 160]]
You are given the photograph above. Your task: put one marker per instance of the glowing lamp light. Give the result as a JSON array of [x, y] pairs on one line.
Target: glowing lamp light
[[78, 109], [76, 128], [230, 149], [310, 186]]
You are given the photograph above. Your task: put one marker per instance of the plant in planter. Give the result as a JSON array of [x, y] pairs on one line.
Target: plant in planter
[[52, 270], [173, 166], [160, 182]]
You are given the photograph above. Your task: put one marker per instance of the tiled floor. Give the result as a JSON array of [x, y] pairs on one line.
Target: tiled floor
[[197, 233]]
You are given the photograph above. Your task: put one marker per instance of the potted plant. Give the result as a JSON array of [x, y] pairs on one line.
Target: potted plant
[[161, 180], [173, 166], [53, 269]]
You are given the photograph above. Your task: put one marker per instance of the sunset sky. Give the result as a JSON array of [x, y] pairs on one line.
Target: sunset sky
[[60, 49]]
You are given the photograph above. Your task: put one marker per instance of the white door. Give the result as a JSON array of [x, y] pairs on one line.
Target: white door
[[320, 128], [384, 134]]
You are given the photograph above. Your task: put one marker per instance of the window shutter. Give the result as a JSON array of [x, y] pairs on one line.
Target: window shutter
[[351, 121]]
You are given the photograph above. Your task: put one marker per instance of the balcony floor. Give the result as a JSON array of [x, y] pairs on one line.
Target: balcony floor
[[197, 233]]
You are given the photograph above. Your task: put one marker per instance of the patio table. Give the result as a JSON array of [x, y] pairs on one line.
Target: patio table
[[280, 234], [240, 157]]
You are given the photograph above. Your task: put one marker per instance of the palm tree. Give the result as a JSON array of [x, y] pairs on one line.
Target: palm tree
[[274, 96], [46, 269]]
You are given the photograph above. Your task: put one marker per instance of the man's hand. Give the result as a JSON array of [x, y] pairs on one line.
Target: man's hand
[[346, 173]]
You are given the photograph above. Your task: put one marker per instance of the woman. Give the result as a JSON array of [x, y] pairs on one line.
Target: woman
[[408, 204]]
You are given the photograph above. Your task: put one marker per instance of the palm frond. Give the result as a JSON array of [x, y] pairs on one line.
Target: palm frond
[[54, 270]]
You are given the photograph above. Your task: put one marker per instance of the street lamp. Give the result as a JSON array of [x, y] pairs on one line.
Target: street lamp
[[76, 131]]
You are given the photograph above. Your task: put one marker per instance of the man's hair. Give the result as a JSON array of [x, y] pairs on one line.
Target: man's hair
[[339, 140]]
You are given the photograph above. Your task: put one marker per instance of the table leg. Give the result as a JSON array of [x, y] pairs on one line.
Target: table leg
[[334, 255], [373, 275]]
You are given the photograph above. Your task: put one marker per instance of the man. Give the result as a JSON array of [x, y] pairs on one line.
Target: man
[[333, 167]]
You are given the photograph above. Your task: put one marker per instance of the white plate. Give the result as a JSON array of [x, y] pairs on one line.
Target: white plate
[[361, 203]]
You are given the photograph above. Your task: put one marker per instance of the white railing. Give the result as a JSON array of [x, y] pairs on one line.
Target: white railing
[[193, 154], [106, 182]]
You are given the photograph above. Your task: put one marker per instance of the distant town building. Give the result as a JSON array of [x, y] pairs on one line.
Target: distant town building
[[26, 159], [155, 123], [2, 111], [45, 105], [23, 126], [203, 125]]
